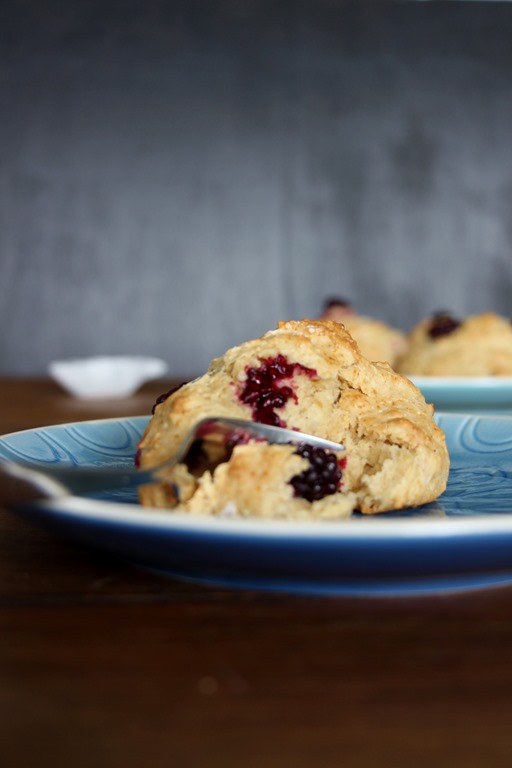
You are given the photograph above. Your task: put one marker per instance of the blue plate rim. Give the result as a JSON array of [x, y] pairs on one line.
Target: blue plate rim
[[464, 382]]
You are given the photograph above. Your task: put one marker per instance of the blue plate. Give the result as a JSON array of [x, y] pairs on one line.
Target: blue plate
[[481, 395], [462, 541]]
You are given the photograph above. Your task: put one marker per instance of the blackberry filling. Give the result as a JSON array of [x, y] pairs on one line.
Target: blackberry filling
[[337, 301], [265, 390], [162, 398], [206, 454], [442, 324], [321, 478]]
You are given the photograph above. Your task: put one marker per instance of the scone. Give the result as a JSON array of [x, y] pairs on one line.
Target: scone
[[442, 345], [377, 340], [310, 376]]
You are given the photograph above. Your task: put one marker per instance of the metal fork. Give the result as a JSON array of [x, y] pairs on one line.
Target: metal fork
[[23, 482]]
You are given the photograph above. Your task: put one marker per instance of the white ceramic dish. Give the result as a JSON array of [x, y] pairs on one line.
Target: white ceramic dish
[[464, 540], [106, 375], [485, 395]]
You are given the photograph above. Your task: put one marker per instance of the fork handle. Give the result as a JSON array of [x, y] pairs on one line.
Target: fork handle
[[23, 487], [22, 483]]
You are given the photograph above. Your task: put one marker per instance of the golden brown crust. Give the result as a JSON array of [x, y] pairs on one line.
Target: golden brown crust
[[396, 455], [480, 346]]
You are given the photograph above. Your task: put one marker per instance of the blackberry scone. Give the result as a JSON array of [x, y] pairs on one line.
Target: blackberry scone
[[307, 375], [443, 345]]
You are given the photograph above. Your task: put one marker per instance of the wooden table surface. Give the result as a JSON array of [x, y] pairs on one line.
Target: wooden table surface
[[105, 665]]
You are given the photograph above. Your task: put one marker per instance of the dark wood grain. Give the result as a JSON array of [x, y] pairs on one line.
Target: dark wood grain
[[105, 665], [27, 402]]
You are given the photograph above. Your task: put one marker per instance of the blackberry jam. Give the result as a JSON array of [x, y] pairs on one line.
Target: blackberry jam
[[268, 388]]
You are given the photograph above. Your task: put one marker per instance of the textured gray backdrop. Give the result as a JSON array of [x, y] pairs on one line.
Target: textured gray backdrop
[[175, 177]]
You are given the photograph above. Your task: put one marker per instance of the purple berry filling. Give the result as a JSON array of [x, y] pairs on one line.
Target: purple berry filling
[[337, 301], [442, 324], [265, 390], [162, 398], [321, 478]]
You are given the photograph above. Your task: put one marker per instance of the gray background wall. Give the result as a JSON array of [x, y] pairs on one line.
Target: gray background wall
[[175, 177]]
